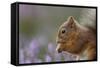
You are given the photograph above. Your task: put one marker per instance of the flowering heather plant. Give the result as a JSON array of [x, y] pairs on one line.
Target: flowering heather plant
[[34, 53]]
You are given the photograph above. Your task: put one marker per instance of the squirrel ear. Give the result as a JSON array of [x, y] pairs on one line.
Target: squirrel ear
[[71, 21]]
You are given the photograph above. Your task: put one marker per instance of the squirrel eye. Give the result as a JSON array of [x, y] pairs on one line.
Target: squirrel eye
[[63, 31]]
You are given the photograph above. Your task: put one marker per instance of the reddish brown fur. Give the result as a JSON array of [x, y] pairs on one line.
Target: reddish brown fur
[[77, 40]]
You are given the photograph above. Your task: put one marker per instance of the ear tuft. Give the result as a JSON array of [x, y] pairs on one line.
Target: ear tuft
[[71, 21]]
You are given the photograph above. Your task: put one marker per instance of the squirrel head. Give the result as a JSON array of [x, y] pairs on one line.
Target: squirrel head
[[67, 36]]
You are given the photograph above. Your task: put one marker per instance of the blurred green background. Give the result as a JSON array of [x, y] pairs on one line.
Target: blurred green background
[[38, 26]]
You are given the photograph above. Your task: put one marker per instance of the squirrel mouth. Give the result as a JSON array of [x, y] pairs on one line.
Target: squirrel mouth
[[59, 51]]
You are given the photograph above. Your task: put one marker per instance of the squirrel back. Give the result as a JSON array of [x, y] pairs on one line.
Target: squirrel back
[[88, 19]]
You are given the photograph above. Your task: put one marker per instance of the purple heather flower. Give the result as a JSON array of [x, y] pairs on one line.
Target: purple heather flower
[[51, 48], [48, 58], [27, 61], [34, 47], [21, 56]]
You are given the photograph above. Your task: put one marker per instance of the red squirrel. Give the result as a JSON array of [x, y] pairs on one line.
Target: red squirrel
[[77, 40]]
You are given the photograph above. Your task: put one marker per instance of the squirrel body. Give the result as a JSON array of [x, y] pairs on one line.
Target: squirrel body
[[76, 39]]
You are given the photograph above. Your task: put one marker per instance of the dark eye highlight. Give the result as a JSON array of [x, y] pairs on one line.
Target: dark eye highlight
[[63, 31]]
